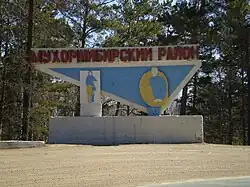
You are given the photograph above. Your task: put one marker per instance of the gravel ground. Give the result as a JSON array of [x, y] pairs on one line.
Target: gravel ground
[[125, 165]]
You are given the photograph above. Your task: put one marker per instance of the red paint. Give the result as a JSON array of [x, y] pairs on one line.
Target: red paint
[[55, 56], [161, 52], [144, 54], [139, 54], [46, 57], [99, 55], [169, 53], [195, 52], [85, 56], [175, 53], [148, 54], [114, 54], [91, 55], [110, 55], [72, 55], [106, 55], [78, 56], [124, 55], [39, 57], [180, 53], [187, 53], [131, 55], [64, 56]]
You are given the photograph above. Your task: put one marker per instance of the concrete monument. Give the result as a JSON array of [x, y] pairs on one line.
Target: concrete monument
[[147, 78]]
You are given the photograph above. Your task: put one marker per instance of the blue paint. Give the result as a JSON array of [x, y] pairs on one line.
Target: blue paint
[[124, 81], [154, 111], [158, 86], [90, 84], [90, 81]]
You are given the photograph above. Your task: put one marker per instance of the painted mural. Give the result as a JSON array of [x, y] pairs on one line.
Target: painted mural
[[145, 78], [154, 90], [90, 86]]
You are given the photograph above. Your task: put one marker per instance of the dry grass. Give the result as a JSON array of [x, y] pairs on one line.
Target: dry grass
[[126, 165]]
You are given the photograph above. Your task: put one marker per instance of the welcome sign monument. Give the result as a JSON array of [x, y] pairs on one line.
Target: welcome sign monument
[[147, 78]]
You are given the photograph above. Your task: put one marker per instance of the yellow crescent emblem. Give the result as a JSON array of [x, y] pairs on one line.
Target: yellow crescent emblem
[[146, 91]]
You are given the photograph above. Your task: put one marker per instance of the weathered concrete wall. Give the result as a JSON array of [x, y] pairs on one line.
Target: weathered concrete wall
[[91, 110], [14, 144], [126, 129]]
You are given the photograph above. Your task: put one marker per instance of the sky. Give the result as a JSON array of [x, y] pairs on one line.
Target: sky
[[91, 42]]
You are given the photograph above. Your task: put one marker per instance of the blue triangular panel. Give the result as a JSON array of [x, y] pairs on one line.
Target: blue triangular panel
[[124, 81]]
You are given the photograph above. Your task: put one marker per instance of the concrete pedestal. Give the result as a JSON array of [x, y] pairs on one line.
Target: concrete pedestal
[[15, 144], [90, 94], [91, 110], [126, 130]]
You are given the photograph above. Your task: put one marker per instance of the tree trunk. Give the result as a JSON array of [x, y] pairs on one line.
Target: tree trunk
[[31, 132], [230, 124], [2, 101], [128, 110], [195, 93], [184, 100], [248, 106], [197, 38], [83, 42], [247, 61], [220, 115], [3, 88], [242, 110], [27, 77], [78, 104], [117, 108]]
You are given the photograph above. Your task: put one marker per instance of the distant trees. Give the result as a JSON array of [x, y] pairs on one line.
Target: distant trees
[[88, 21], [219, 91]]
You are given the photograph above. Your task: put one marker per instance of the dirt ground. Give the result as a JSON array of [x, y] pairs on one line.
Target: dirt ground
[[124, 165]]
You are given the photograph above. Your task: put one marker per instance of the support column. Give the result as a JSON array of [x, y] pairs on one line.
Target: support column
[[90, 93]]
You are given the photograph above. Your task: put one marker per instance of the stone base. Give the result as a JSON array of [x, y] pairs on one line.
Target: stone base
[[14, 144], [126, 130], [91, 110]]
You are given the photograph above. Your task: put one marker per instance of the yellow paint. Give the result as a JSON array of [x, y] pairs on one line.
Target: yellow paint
[[164, 106], [89, 93], [147, 92]]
